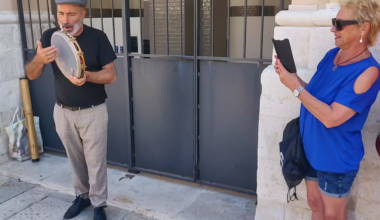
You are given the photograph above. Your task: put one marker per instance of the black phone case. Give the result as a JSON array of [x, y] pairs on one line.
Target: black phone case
[[284, 53]]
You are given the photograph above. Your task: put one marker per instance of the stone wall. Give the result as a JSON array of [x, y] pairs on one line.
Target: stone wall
[[12, 63], [307, 25]]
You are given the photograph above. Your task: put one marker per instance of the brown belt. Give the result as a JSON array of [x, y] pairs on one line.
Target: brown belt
[[77, 108]]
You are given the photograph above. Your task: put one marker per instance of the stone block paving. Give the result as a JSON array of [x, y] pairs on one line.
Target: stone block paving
[[44, 191], [20, 201]]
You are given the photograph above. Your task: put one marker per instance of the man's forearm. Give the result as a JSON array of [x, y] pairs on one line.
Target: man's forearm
[[34, 69], [105, 76]]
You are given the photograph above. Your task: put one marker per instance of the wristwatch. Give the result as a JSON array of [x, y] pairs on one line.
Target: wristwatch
[[297, 92]]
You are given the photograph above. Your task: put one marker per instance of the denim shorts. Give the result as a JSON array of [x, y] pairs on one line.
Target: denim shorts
[[336, 185]]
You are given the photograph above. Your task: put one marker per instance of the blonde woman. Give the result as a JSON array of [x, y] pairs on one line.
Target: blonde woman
[[335, 106]]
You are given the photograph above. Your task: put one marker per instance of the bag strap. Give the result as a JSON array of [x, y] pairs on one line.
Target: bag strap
[[16, 114], [292, 197]]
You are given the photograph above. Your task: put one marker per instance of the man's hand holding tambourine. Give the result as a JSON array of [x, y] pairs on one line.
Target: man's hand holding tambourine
[[74, 80], [45, 55]]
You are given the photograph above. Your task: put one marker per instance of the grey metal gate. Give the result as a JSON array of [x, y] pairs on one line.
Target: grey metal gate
[[186, 104]]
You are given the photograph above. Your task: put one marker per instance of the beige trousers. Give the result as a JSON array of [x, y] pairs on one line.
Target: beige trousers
[[84, 136]]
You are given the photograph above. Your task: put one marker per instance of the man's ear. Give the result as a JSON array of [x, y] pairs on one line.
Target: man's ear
[[84, 12]]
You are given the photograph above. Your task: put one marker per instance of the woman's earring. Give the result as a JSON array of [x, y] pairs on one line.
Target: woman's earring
[[361, 39]]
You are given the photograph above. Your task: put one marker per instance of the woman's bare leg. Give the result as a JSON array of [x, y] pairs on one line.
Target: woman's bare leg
[[314, 198], [335, 208]]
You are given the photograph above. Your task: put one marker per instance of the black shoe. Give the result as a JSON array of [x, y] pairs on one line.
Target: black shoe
[[99, 213], [74, 210]]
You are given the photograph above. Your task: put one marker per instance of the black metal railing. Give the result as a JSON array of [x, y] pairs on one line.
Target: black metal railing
[[51, 7], [153, 41], [26, 48], [198, 56]]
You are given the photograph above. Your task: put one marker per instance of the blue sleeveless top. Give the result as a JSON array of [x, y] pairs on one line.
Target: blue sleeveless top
[[339, 149]]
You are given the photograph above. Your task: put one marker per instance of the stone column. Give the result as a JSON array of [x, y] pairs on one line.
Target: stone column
[[11, 61], [307, 25]]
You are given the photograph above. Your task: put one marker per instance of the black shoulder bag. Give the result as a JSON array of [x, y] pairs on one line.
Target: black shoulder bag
[[294, 163]]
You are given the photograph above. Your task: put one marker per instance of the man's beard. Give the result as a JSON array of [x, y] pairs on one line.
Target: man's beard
[[77, 26]]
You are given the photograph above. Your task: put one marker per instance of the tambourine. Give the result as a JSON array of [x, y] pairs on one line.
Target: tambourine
[[70, 58]]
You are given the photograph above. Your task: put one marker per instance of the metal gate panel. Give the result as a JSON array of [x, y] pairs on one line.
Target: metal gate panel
[[228, 123], [118, 120], [163, 115]]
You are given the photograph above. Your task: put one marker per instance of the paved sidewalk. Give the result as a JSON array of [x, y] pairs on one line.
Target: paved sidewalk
[[21, 201], [43, 191]]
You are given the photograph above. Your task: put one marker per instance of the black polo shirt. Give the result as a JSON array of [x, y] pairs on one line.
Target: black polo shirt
[[98, 52]]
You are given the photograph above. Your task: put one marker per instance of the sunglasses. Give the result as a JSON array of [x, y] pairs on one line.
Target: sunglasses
[[339, 24]]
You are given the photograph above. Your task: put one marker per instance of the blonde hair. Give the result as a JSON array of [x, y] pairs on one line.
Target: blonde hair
[[366, 11]]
